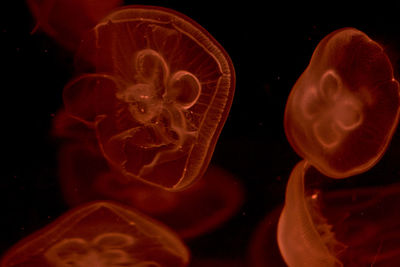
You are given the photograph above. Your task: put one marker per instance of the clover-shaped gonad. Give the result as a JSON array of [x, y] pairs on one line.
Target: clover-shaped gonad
[[105, 250], [333, 112]]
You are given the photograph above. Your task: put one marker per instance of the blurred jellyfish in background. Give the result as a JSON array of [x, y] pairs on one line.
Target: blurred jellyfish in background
[[198, 210], [156, 88], [67, 21], [85, 176], [344, 108], [100, 234], [263, 248]]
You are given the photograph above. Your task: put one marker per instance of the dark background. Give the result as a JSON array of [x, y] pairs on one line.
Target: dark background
[[270, 47]]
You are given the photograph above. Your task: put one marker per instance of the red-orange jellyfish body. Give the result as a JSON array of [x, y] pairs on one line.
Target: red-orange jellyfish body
[[207, 204], [100, 234], [68, 20], [344, 108], [348, 227], [159, 94]]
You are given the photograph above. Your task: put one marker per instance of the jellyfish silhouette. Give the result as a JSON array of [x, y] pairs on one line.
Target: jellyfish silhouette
[[67, 21], [100, 234], [85, 176], [157, 91], [344, 108], [346, 227]]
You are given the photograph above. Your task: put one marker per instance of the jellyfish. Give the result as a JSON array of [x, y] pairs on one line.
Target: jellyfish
[[304, 236], [156, 88], [100, 234], [357, 226], [68, 20], [211, 201], [344, 108]]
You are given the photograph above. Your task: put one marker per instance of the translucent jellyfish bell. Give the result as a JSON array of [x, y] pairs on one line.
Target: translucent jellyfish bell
[[100, 234], [157, 89], [344, 108]]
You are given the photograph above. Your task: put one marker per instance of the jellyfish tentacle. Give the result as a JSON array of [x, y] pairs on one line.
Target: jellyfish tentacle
[[176, 137], [89, 95]]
